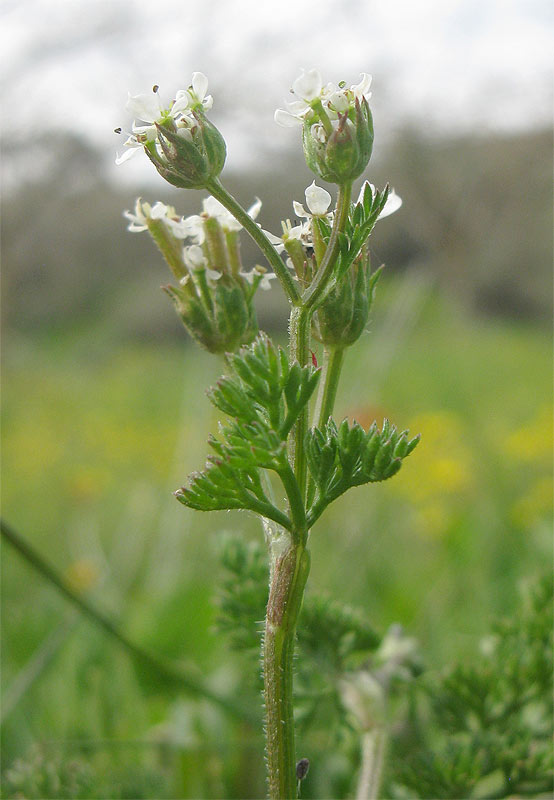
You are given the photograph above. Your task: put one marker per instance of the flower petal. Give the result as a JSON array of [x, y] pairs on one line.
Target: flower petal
[[159, 210], [213, 274], [126, 155], [255, 208], [194, 256], [308, 85], [144, 106], [299, 209], [286, 119], [362, 88], [199, 85], [182, 102], [339, 101], [392, 204], [318, 200]]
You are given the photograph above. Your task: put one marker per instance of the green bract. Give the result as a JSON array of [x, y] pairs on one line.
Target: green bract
[[340, 156], [342, 317], [191, 156], [221, 316]]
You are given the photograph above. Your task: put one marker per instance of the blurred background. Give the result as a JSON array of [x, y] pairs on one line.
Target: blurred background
[[103, 403]]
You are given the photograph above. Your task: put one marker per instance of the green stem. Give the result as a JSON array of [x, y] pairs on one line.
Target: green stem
[[332, 366], [334, 359], [299, 350], [288, 580], [220, 193], [289, 569], [296, 502], [373, 756]]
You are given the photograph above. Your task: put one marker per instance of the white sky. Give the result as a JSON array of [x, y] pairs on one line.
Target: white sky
[[447, 64]]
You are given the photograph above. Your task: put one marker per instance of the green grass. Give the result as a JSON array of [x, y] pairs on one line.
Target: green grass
[[96, 440]]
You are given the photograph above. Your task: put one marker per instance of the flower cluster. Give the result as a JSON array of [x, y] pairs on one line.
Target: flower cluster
[[214, 296], [186, 149], [337, 125], [318, 201], [310, 94]]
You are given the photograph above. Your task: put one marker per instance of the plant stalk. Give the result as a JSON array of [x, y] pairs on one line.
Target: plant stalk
[[289, 570], [217, 190], [288, 579], [373, 756], [299, 350], [332, 366]]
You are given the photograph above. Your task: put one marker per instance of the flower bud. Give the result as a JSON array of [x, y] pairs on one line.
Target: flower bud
[[220, 321], [188, 156], [339, 154], [342, 317]]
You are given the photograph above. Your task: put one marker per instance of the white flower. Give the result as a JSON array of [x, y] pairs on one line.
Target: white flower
[[213, 208], [300, 232], [135, 140], [194, 257], [361, 89], [150, 109], [276, 241], [309, 87], [144, 211], [318, 201], [267, 277], [392, 203], [197, 92]]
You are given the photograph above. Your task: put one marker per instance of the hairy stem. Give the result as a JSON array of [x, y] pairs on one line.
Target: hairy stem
[[220, 193], [332, 366], [289, 569], [373, 755], [299, 350], [288, 579]]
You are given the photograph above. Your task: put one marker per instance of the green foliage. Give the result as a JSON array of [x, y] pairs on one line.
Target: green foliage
[[361, 221], [42, 774], [264, 395], [242, 594], [347, 456], [489, 726]]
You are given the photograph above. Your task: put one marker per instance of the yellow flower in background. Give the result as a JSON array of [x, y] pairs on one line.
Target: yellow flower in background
[[533, 442], [444, 464], [534, 505], [442, 478], [81, 575]]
